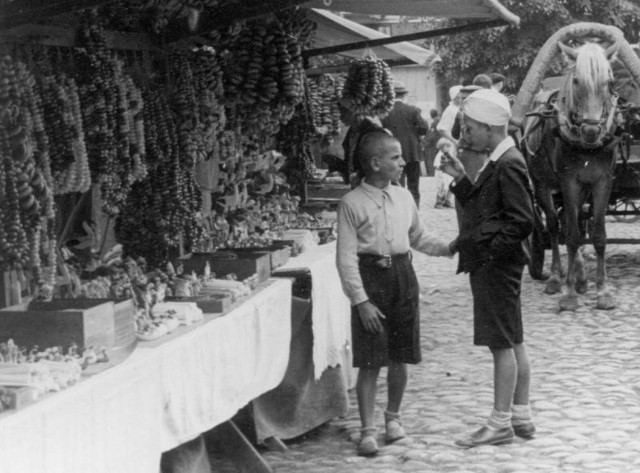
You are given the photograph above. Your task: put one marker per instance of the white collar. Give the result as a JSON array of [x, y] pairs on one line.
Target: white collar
[[502, 148]]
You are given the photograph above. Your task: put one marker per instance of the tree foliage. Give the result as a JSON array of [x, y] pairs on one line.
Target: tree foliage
[[511, 50]]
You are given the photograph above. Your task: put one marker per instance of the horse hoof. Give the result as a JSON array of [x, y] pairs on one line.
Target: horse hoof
[[581, 287], [553, 286], [606, 302], [569, 303]]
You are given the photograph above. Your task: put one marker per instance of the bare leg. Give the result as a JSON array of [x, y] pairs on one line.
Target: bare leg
[[366, 388], [505, 371], [523, 380], [396, 383]]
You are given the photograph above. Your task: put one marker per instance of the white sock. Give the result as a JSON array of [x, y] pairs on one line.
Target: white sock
[[499, 420], [521, 413]]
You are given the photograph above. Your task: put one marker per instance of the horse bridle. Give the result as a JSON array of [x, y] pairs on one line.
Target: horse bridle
[[570, 127]]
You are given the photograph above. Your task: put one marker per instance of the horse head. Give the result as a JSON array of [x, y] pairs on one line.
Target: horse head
[[586, 104]]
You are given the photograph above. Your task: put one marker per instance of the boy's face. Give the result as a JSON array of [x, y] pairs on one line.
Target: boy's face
[[446, 147], [389, 164], [476, 134]]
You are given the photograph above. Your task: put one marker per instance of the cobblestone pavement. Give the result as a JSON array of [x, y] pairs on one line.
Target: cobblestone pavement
[[585, 385]]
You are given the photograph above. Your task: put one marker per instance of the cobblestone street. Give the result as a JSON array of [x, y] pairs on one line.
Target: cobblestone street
[[585, 386]]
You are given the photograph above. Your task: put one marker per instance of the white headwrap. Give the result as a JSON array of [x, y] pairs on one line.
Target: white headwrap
[[454, 91], [487, 106]]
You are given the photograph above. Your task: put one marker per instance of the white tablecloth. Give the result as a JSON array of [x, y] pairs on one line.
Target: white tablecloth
[[165, 393], [331, 309]]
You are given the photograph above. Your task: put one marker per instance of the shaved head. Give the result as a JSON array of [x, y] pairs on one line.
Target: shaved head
[[373, 145]]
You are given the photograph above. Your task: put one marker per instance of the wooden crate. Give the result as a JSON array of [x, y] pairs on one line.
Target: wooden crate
[[210, 304], [84, 322], [243, 266], [278, 254]]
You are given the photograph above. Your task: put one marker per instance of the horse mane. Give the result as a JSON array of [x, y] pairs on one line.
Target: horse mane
[[592, 74]]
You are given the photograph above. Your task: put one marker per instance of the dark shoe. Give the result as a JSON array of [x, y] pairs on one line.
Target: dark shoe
[[487, 436], [525, 430]]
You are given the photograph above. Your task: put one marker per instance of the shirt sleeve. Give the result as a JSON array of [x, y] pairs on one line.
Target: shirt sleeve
[[423, 241], [347, 255]]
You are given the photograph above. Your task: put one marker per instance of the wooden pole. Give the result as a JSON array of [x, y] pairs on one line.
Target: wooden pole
[[370, 43]]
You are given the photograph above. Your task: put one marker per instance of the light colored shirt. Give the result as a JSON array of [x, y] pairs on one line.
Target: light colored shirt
[[499, 150], [380, 222], [445, 125]]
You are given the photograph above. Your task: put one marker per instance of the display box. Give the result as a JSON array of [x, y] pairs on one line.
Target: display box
[[223, 263], [209, 304], [60, 323], [279, 254]]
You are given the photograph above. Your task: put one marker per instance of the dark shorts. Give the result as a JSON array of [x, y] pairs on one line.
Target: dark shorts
[[395, 292], [497, 316]]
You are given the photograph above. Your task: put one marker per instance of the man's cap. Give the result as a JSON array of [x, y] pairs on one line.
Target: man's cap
[[467, 89], [497, 77], [487, 106], [399, 88], [454, 91]]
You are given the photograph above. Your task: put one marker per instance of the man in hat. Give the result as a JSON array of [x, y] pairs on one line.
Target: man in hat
[[497, 216], [406, 124]]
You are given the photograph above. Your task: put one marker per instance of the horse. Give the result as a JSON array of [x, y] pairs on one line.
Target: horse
[[575, 154]]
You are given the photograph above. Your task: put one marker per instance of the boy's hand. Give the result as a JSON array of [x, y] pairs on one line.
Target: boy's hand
[[370, 317], [452, 166]]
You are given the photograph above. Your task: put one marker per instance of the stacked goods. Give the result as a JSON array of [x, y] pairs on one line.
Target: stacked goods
[[326, 91], [111, 115], [26, 183], [162, 208], [368, 89]]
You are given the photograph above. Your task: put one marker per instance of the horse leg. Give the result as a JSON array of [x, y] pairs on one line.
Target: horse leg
[[571, 196], [554, 283], [601, 193], [582, 284]]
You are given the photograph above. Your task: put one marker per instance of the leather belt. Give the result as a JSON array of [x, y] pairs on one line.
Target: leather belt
[[382, 261]]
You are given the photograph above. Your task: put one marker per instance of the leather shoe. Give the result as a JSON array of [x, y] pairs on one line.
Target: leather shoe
[[487, 436], [368, 446], [394, 431], [526, 430]]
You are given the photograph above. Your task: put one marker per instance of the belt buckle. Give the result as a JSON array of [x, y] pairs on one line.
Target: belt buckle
[[384, 261]]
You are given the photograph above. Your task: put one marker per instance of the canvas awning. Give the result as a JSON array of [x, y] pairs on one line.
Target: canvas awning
[[334, 30], [458, 9]]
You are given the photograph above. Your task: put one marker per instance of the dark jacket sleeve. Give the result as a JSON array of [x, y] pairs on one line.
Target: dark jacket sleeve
[[516, 217], [420, 124]]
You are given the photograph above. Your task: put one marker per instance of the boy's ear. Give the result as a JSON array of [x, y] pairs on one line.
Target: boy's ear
[[375, 163]]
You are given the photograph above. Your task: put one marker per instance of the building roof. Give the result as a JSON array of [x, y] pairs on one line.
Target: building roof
[[334, 30], [453, 9]]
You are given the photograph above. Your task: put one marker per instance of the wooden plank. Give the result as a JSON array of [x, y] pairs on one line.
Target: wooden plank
[[370, 43], [229, 440], [28, 11], [50, 35]]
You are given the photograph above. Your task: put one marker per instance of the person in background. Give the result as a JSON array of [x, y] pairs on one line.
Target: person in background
[[482, 80], [430, 140], [445, 125], [405, 122], [497, 216], [497, 81], [378, 224], [359, 126], [444, 196]]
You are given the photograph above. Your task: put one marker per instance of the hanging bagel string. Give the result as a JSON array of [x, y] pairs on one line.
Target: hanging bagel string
[[368, 89]]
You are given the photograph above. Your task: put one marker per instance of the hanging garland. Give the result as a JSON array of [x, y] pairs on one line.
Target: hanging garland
[[368, 89], [26, 185]]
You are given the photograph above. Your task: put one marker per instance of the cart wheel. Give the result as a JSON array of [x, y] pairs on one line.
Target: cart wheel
[[627, 205]]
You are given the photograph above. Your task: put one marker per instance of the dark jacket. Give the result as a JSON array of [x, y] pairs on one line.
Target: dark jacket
[[405, 122], [497, 214]]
